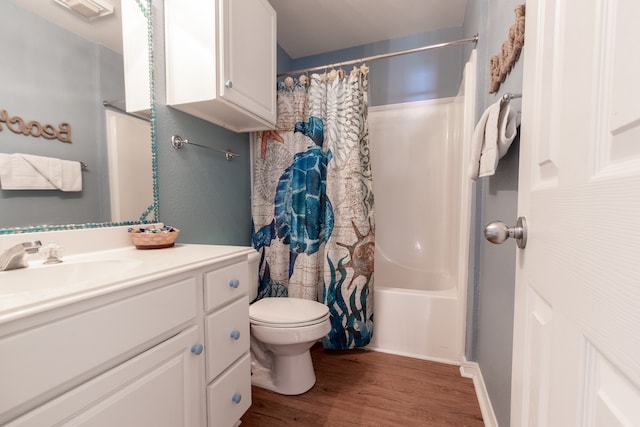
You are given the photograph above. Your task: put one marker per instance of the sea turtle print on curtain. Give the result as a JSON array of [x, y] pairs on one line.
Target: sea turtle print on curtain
[[313, 203]]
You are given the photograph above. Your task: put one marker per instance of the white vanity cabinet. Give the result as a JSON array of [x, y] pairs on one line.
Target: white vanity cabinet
[[163, 349], [226, 325], [221, 61], [124, 359]]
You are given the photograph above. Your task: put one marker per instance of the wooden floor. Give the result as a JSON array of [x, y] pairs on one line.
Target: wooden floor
[[367, 388]]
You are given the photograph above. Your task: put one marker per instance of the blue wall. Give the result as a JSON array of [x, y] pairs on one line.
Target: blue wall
[[200, 192], [284, 61], [419, 76], [491, 291]]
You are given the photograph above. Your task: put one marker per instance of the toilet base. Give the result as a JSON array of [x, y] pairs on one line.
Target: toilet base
[[290, 375]]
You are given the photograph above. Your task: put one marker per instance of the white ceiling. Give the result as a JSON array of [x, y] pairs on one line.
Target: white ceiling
[[105, 31], [305, 27], [309, 27]]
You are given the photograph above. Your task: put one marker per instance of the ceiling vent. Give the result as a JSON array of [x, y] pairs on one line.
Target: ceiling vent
[[88, 9]]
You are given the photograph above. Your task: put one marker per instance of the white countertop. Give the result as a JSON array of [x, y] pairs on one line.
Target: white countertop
[[37, 288]]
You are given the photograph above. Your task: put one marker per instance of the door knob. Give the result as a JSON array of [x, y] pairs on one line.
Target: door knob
[[228, 84], [498, 232]]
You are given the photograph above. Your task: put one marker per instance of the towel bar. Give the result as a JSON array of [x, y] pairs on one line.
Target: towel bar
[[178, 142], [509, 96]]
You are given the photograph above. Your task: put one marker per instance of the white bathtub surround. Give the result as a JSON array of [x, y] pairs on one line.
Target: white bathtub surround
[[422, 231]]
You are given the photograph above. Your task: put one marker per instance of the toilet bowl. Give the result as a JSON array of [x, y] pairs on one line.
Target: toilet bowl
[[282, 332]]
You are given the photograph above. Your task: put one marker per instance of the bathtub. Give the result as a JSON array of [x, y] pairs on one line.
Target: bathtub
[[420, 157], [417, 314]]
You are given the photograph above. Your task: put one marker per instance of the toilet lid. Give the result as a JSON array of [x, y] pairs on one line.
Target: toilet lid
[[287, 312]]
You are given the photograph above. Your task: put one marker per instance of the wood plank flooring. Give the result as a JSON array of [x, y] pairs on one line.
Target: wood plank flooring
[[367, 388]]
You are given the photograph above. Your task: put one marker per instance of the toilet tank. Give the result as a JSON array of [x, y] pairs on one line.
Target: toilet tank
[[254, 262]]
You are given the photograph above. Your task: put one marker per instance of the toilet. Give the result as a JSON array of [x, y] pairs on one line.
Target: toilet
[[282, 332]]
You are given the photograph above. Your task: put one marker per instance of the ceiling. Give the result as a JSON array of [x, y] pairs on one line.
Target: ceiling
[[310, 27], [105, 31], [305, 27]]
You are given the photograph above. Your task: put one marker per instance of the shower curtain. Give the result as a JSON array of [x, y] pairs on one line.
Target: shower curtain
[[312, 203]]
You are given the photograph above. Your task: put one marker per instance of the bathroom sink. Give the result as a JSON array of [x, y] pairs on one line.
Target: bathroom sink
[[82, 271], [45, 281]]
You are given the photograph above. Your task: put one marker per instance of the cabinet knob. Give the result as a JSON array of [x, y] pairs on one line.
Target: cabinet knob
[[228, 84], [236, 398], [235, 335], [234, 283], [197, 349]]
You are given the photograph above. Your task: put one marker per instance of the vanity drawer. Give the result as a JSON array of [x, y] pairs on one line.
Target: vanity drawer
[[227, 336], [229, 397], [44, 361], [225, 284]]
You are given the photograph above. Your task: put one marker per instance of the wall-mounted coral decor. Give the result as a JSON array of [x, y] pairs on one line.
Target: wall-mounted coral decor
[[18, 125], [502, 63]]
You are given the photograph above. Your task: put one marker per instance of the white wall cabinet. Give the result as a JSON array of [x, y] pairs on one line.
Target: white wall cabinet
[[172, 351], [221, 61]]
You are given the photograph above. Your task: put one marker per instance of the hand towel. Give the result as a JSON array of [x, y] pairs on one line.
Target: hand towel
[[487, 122], [29, 172], [492, 138]]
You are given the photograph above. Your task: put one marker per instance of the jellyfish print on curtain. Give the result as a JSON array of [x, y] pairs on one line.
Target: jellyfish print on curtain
[[312, 203]]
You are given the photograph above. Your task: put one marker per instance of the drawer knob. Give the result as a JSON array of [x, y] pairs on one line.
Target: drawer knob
[[197, 349], [234, 283], [236, 398], [235, 335], [228, 84]]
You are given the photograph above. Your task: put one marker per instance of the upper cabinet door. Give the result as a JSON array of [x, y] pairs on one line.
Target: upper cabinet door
[[221, 61], [248, 56]]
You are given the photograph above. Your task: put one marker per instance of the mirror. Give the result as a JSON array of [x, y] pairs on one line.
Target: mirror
[[56, 72]]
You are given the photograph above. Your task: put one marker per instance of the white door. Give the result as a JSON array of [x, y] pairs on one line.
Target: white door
[[576, 358]]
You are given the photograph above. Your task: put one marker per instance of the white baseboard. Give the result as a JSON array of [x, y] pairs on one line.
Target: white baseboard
[[412, 355], [472, 370]]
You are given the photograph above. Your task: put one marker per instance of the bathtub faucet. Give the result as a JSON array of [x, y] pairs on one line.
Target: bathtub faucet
[[16, 256]]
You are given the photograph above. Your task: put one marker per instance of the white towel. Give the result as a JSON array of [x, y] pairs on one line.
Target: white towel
[[28, 172], [492, 138]]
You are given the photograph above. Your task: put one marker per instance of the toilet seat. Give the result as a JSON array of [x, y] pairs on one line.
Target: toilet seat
[[287, 312]]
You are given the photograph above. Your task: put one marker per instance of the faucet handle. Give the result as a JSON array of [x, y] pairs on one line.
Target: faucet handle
[[52, 253]]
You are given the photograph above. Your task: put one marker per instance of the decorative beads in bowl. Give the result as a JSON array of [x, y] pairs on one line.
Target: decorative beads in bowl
[[157, 236]]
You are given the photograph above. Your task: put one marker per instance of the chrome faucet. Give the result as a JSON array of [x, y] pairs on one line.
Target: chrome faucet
[[16, 256]]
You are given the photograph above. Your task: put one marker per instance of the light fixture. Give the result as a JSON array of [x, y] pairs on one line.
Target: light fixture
[[88, 9]]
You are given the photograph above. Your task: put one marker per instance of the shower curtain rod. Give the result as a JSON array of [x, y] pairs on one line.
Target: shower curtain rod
[[107, 104], [473, 39]]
